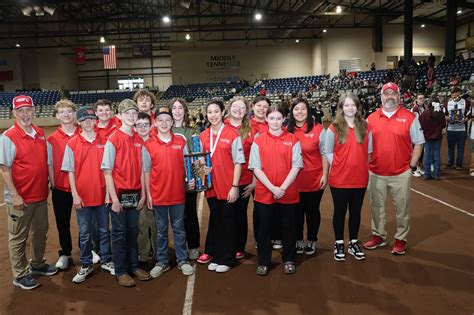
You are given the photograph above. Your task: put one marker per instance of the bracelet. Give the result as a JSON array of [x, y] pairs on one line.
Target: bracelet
[[235, 186]]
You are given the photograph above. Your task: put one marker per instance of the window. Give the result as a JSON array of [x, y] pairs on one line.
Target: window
[[131, 83]]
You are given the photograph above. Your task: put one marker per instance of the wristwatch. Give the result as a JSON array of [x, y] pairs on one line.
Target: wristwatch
[[413, 168]]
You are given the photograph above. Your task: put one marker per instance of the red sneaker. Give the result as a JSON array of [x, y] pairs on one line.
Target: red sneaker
[[374, 242], [239, 255], [399, 247], [204, 259]]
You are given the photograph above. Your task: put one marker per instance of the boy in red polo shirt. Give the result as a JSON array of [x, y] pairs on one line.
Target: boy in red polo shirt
[[107, 122], [165, 194], [61, 194], [146, 103], [82, 159], [122, 166], [24, 165]]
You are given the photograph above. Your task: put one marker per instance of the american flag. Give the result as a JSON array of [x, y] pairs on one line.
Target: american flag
[[110, 61]]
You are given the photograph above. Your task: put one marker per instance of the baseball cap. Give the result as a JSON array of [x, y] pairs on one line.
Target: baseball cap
[[86, 112], [163, 112], [392, 86], [126, 105], [22, 101]]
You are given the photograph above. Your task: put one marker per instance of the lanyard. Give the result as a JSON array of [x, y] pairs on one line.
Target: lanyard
[[214, 145]]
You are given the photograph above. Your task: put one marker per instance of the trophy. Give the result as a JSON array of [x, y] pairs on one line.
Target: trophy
[[195, 164]]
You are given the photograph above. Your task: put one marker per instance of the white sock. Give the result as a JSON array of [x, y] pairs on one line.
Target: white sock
[[340, 242], [354, 241]]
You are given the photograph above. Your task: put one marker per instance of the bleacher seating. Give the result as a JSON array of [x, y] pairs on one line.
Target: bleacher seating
[[204, 90], [40, 98], [90, 97]]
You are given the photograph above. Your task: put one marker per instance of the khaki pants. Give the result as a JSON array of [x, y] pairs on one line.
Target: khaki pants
[[146, 234], [34, 216], [399, 186]]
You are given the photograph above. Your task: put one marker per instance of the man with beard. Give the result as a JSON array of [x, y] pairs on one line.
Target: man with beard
[[394, 131]]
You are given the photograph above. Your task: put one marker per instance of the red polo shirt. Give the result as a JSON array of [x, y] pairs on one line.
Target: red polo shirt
[[276, 156], [349, 168], [84, 158], [113, 124], [228, 152], [247, 176], [166, 162], [29, 164], [392, 145], [309, 177], [258, 126], [58, 141]]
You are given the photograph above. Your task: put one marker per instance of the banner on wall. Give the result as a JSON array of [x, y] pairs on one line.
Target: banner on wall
[[222, 67], [141, 50], [80, 55]]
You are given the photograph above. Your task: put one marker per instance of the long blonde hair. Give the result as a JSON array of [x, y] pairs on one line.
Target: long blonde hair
[[245, 128], [340, 123]]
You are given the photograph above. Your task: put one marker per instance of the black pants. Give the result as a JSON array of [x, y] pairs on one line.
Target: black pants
[[344, 198], [191, 221], [242, 223], [275, 229], [62, 205], [221, 240], [286, 226], [309, 206]]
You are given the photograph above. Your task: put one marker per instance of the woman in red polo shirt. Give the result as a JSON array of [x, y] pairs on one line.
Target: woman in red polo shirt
[[346, 147], [275, 158], [238, 119], [312, 178], [227, 155]]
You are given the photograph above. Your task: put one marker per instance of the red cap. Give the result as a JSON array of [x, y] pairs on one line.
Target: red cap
[[22, 101], [392, 86]]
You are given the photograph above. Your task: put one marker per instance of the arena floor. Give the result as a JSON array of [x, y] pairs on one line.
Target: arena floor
[[435, 277]]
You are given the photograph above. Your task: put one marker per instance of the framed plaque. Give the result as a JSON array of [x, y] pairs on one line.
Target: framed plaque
[[194, 165]]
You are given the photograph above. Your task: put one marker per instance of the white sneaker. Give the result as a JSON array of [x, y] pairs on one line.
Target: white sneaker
[[82, 274], [63, 262], [159, 269], [277, 244], [212, 267], [95, 258], [472, 173], [416, 173], [108, 267], [193, 253], [223, 268], [185, 268]]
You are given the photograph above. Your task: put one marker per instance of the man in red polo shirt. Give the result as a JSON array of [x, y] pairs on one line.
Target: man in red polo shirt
[[24, 165], [397, 140]]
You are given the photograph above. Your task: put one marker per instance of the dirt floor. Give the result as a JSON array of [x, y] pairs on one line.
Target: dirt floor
[[435, 277]]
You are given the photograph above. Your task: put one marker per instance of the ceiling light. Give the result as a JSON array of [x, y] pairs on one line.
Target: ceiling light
[[185, 4], [102, 39], [258, 16], [166, 19], [325, 30], [423, 25], [297, 41], [27, 10], [17, 45], [459, 11], [39, 10], [49, 10], [188, 37], [338, 9]]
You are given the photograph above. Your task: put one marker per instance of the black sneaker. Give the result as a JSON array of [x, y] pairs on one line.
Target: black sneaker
[[26, 283], [310, 248], [300, 247], [339, 252], [46, 270], [355, 250]]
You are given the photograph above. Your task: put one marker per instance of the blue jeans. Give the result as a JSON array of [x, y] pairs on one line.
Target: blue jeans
[[86, 217], [176, 214], [456, 138], [432, 156], [124, 240]]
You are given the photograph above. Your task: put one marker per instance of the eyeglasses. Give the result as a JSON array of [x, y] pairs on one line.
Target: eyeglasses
[[144, 125]]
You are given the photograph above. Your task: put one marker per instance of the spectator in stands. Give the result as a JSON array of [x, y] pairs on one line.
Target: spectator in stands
[[471, 136], [372, 66], [24, 165], [394, 130], [456, 111], [182, 125], [318, 113], [433, 122], [107, 121], [312, 178], [431, 60], [61, 191]]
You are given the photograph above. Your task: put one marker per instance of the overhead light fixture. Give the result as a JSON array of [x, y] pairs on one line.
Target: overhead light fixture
[[459, 11], [325, 30], [166, 19], [39, 10], [185, 4], [17, 45], [297, 41], [188, 37], [102, 39], [338, 9], [27, 10], [49, 10], [423, 25], [258, 16]]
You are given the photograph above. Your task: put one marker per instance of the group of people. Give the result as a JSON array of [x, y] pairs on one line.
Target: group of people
[[127, 170]]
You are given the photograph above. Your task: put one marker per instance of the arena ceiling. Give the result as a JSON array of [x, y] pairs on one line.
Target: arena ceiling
[[56, 23]]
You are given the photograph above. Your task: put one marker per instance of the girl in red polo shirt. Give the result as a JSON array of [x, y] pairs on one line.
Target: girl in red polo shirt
[[225, 147], [312, 178], [275, 158], [238, 119], [347, 145], [260, 104]]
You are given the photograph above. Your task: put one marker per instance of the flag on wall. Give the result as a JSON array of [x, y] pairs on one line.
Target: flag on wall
[[110, 62], [80, 55], [141, 50]]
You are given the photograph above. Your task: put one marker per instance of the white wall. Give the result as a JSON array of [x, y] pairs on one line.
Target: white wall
[[462, 32]]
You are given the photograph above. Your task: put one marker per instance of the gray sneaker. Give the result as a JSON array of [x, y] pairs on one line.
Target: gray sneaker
[[159, 269], [46, 270], [185, 268], [26, 283], [82, 274]]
